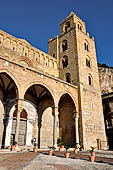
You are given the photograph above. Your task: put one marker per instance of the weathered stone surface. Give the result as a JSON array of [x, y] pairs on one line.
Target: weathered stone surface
[[106, 80]]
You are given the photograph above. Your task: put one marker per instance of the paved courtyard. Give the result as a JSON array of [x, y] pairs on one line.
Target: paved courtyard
[[42, 161]]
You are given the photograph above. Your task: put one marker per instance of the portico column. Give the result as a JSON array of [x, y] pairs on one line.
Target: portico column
[[76, 128], [55, 126], [18, 119]]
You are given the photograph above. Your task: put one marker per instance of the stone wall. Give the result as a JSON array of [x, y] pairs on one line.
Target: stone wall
[[67, 128], [106, 80], [21, 51]]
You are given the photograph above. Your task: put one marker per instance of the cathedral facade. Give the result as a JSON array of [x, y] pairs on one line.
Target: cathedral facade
[[47, 96]]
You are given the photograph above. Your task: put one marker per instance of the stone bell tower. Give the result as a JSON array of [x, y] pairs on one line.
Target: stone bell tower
[[76, 57]]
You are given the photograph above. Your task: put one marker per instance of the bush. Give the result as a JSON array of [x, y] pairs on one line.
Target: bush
[[60, 142], [66, 147], [92, 149], [34, 144], [51, 147]]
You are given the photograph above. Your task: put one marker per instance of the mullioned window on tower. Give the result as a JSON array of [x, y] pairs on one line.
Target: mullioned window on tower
[[64, 45]]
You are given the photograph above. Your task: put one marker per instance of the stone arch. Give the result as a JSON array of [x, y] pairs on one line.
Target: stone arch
[[79, 26], [26, 60], [67, 26], [42, 84], [86, 45], [67, 92], [9, 92], [68, 77], [88, 61], [90, 80], [64, 45], [13, 78], [67, 111], [65, 61], [39, 95]]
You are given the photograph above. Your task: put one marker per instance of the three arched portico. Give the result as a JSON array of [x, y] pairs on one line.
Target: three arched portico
[[49, 99]]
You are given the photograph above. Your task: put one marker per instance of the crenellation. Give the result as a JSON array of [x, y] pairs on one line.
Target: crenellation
[[87, 33], [92, 38], [49, 40]]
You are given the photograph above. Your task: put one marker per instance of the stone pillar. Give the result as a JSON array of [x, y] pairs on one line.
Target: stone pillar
[[76, 128], [20, 107], [55, 126]]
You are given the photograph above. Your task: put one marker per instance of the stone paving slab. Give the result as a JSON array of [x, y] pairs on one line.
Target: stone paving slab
[[42, 161], [46, 162], [14, 161]]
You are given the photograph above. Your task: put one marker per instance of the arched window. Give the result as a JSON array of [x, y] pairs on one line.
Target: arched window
[[64, 45], [65, 61], [23, 114], [68, 78], [90, 80], [79, 27], [88, 63], [67, 26], [86, 46]]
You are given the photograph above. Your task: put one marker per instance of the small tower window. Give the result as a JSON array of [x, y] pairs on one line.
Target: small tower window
[[64, 45], [88, 62], [109, 123], [86, 46], [54, 55], [79, 27], [65, 61], [68, 78], [67, 25], [90, 80]]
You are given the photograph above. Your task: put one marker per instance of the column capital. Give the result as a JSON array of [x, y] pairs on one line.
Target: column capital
[[75, 115], [55, 107], [55, 110]]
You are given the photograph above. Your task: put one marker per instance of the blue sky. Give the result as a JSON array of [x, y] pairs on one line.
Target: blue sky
[[36, 21]]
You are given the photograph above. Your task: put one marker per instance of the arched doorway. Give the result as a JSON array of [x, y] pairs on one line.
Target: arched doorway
[[41, 97], [22, 127], [8, 95], [66, 120]]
